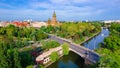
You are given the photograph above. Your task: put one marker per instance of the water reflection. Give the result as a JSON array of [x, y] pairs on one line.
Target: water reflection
[[75, 61], [70, 61], [93, 43]]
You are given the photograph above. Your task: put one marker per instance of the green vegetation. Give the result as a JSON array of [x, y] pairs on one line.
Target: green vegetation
[[77, 32], [9, 58], [110, 51], [54, 56], [21, 34], [112, 43], [12, 39], [50, 44], [26, 58], [41, 66], [65, 48], [17, 63], [30, 66]]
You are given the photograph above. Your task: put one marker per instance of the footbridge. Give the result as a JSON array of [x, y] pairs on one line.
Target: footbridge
[[85, 53]]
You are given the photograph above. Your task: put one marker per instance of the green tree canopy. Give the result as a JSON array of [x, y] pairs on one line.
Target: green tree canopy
[[65, 48], [54, 56], [50, 44]]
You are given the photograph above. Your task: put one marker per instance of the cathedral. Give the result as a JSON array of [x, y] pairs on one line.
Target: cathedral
[[54, 21]]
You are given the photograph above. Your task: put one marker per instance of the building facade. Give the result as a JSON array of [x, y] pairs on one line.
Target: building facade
[[54, 21], [44, 58]]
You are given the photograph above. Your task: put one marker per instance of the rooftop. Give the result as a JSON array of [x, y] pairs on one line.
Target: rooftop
[[43, 55]]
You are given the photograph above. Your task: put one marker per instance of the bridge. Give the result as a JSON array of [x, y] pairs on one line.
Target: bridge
[[85, 53]]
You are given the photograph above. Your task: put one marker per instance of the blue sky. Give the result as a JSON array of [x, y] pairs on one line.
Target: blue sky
[[66, 10]]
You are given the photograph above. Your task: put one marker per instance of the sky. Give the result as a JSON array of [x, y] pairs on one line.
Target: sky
[[66, 10]]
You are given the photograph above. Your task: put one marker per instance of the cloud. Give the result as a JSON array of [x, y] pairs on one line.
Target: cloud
[[36, 5], [70, 1], [66, 9]]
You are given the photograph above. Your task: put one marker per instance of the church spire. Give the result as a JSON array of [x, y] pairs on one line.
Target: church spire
[[49, 21], [54, 14]]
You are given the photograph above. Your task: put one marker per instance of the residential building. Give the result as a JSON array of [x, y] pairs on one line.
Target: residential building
[[38, 24], [45, 57]]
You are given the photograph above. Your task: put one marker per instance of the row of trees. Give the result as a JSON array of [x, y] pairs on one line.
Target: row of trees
[[74, 31], [23, 33], [111, 50], [49, 44], [13, 57], [11, 39], [9, 58]]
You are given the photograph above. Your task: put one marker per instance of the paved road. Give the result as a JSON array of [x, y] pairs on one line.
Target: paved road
[[84, 52]]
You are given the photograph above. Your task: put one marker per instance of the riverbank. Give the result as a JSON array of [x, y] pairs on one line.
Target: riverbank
[[48, 64], [72, 60], [65, 39], [90, 37], [110, 49]]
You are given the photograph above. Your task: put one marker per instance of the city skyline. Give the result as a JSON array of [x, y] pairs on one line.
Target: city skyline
[[66, 10]]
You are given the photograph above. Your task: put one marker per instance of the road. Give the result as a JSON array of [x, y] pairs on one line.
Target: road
[[80, 50]]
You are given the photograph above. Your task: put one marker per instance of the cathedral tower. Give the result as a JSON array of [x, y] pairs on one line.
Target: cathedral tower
[[49, 21], [54, 20]]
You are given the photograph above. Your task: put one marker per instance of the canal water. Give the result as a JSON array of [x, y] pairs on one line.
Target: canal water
[[94, 42], [69, 61], [75, 61]]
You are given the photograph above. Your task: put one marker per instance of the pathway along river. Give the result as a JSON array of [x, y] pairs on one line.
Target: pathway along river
[[75, 61]]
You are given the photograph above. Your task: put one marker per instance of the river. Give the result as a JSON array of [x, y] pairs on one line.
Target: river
[[69, 61], [75, 61], [93, 43]]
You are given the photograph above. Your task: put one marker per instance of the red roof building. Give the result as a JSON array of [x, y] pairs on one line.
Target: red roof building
[[20, 24]]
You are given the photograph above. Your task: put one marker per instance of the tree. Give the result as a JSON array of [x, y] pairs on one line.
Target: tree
[[2, 31], [10, 58], [54, 56], [26, 58], [43, 28], [86, 32], [115, 26], [50, 29], [109, 59], [30, 66], [65, 48], [50, 44], [41, 66], [3, 56], [80, 34], [40, 35], [112, 42], [110, 53], [16, 59]]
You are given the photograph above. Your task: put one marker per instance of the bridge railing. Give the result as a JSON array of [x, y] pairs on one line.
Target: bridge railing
[[96, 55], [86, 57], [70, 42]]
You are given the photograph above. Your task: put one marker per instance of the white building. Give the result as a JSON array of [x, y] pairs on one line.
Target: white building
[[38, 24], [45, 57], [110, 21], [0, 24]]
